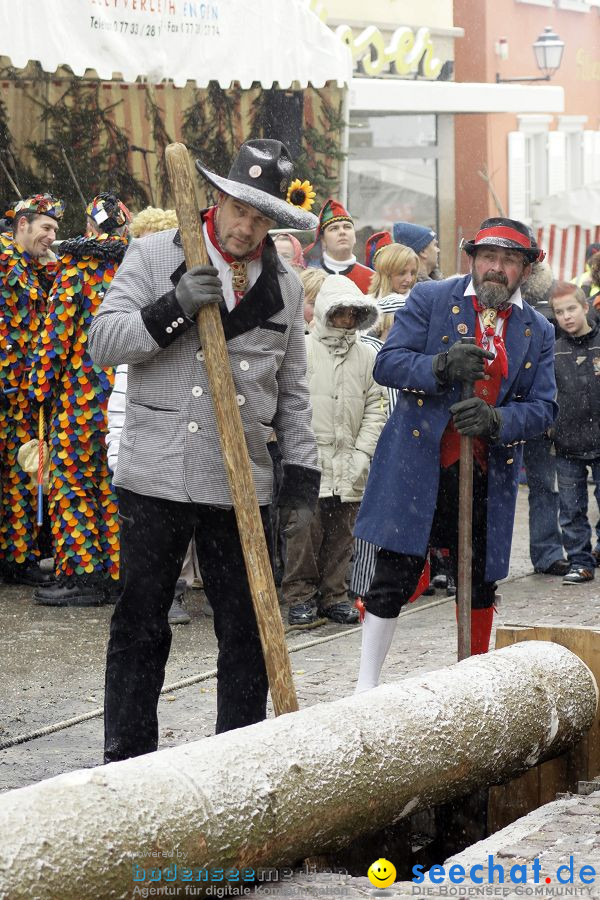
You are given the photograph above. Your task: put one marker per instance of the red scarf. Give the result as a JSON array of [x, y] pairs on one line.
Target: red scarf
[[238, 266], [489, 334]]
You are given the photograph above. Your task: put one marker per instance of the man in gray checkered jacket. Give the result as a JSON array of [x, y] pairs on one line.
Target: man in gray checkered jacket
[[170, 476]]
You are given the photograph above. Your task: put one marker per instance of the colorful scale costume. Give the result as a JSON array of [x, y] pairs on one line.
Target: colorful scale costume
[[25, 282], [82, 504]]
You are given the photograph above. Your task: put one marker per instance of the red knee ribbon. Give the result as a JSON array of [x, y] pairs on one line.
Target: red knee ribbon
[[360, 606]]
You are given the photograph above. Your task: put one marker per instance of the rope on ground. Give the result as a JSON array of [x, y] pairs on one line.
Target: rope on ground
[[194, 679]]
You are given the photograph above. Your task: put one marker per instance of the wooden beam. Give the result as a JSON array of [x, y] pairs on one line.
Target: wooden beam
[[508, 802], [297, 786]]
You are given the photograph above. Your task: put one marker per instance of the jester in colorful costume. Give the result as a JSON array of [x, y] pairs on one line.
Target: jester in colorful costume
[[27, 269], [82, 505]]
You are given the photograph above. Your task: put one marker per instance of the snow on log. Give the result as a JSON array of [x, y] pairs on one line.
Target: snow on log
[[304, 783]]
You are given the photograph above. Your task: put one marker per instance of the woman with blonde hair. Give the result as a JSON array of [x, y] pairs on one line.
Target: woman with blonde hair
[[152, 219], [396, 269]]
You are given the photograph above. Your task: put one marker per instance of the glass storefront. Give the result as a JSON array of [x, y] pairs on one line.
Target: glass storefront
[[392, 171]]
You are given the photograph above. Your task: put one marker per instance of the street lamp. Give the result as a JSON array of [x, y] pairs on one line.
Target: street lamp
[[548, 50]]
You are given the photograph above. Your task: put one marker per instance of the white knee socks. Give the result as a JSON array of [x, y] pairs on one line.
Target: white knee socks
[[377, 634]]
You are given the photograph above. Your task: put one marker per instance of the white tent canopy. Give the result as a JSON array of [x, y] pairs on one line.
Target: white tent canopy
[[577, 206], [182, 40]]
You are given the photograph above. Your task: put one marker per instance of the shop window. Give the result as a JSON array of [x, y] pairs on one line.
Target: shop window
[[572, 126], [527, 173], [392, 170], [532, 165], [557, 162], [574, 160], [591, 157]]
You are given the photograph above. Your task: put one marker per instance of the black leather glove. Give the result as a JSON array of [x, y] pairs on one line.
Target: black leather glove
[[476, 418], [197, 287], [294, 519], [462, 362]]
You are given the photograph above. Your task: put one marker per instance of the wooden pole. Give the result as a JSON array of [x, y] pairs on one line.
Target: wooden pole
[[40, 475], [233, 444], [465, 532]]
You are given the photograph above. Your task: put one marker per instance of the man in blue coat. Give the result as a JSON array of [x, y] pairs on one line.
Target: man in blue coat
[[411, 498]]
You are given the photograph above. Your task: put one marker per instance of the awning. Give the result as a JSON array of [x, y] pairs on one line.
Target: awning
[[262, 41], [577, 206], [403, 96]]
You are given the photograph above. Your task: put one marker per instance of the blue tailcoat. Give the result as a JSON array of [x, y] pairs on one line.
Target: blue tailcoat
[[400, 498]]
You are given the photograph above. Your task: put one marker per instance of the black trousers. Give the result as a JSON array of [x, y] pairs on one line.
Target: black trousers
[[155, 534], [397, 574]]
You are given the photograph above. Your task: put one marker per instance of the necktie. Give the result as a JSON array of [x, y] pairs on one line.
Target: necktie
[[489, 319]]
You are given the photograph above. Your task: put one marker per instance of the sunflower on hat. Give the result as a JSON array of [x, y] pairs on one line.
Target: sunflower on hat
[[301, 194]]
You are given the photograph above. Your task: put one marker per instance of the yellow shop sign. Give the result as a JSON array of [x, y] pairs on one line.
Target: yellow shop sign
[[406, 53]]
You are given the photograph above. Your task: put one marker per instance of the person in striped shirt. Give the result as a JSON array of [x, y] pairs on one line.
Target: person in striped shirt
[[396, 268]]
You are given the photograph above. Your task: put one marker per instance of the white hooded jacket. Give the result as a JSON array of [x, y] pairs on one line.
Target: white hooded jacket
[[349, 407]]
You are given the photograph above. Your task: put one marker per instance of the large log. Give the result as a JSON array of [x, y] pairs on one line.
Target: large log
[[298, 785]]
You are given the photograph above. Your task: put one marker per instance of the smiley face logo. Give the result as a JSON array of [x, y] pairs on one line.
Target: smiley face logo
[[382, 873]]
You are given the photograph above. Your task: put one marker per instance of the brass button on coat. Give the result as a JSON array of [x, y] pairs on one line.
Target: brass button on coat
[[416, 432], [445, 339], [455, 309], [527, 365], [419, 402], [528, 332], [509, 461]]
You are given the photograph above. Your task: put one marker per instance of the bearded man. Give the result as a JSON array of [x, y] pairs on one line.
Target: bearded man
[[411, 498]]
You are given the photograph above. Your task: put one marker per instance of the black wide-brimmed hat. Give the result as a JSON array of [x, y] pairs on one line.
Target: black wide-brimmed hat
[[261, 176], [509, 233]]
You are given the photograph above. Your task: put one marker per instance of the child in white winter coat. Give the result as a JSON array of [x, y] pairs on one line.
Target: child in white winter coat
[[349, 412]]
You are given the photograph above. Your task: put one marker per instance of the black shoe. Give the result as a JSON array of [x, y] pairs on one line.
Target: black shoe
[[429, 591], [26, 573], [558, 567], [343, 612], [450, 586], [303, 614], [177, 614], [440, 581], [111, 590], [578, 575], [73, 593]]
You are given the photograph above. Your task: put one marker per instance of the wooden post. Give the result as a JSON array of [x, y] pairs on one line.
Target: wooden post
[[540, 785], [465, 532], [233, 444]]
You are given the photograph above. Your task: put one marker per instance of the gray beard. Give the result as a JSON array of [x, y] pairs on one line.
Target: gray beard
[[492, 295]]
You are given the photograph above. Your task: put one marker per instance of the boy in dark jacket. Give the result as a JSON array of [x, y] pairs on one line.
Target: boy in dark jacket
[[577, 428]]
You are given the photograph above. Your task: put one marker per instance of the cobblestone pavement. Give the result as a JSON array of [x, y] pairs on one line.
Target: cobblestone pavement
[[53, 661]]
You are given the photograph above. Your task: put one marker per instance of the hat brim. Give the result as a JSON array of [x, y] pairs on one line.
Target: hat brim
[[530, 254], [280, 211]]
